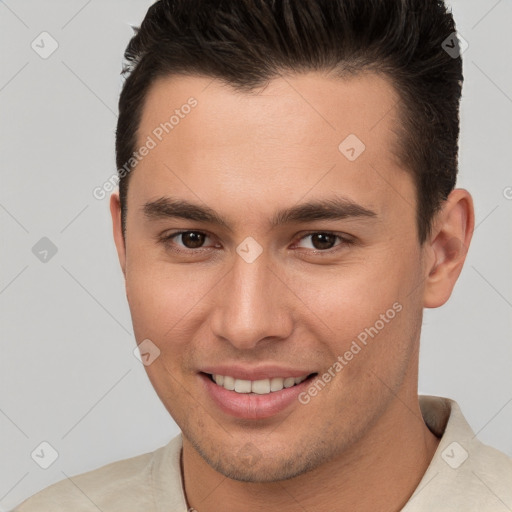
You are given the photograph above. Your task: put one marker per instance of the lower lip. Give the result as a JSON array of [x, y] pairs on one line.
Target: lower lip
[[251, 405]]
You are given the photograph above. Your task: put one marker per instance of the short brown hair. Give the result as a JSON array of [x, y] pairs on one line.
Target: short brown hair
[[246, 43]]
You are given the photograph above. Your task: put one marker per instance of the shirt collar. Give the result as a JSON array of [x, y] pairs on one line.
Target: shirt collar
[[456, 469]]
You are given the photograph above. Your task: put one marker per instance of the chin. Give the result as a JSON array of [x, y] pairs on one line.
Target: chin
[[263, 473], [248, 464]]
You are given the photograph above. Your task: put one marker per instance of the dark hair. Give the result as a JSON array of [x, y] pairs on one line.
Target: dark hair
[[246, 43]]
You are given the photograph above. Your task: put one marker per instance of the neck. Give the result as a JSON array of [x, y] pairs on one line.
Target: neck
[[380, 471]]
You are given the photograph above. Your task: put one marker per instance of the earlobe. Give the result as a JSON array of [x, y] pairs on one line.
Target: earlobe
[[115, 211], [449, 244]]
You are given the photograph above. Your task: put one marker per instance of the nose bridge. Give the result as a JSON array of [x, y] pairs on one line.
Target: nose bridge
[[250, 305]]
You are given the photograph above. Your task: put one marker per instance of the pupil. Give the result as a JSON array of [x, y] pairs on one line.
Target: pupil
[[323, 240], [192, 240]]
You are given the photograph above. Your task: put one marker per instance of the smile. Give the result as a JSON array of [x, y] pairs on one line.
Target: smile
[[257, 398], [260, 387]]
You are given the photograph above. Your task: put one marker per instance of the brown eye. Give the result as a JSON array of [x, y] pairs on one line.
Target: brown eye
[[192, 239], [187, 242], [320, 241], [323, 240]]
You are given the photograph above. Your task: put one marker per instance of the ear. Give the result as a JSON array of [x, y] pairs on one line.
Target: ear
[[447, 247], [115, 211]]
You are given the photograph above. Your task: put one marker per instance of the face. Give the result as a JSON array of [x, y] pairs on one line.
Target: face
[[260, 249]]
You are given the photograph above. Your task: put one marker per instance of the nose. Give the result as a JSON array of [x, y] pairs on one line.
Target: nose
[[252, 306]]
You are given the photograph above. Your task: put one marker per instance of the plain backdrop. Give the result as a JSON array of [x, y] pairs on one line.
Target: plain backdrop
[[67, 369]]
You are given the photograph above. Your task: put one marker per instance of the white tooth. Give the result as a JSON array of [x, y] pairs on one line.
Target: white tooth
[[289, 382], [229, 382], [242, 386], [261, 387], [276, 384]]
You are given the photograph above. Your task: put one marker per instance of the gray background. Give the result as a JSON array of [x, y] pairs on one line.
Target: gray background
[[67, 369]]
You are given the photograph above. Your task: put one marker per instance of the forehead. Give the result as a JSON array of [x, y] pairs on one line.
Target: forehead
[[298, 135], [313, 107]]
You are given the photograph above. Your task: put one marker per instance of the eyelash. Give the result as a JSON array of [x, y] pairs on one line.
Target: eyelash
[[345, 241]]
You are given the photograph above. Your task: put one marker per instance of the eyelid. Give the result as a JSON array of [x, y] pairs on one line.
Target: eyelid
[[166, 238], [345, 240]]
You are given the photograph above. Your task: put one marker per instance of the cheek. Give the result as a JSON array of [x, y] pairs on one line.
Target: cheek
[[167, 302], [163, 308], [366, 312], [353, 297]]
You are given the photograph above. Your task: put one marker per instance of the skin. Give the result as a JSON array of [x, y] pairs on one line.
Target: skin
[[361, 443]]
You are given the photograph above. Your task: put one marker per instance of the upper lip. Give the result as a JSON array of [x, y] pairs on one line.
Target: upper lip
[[255, 373]]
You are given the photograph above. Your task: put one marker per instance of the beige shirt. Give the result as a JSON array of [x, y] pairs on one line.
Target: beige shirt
[[464, 475]]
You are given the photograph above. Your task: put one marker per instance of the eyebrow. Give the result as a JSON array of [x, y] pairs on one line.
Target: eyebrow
[[325, 209]]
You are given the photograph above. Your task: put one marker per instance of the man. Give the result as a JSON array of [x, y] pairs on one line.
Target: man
[[286, 210]]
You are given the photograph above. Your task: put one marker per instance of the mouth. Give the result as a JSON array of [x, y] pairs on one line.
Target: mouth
[[254, 399], [258, 387]]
